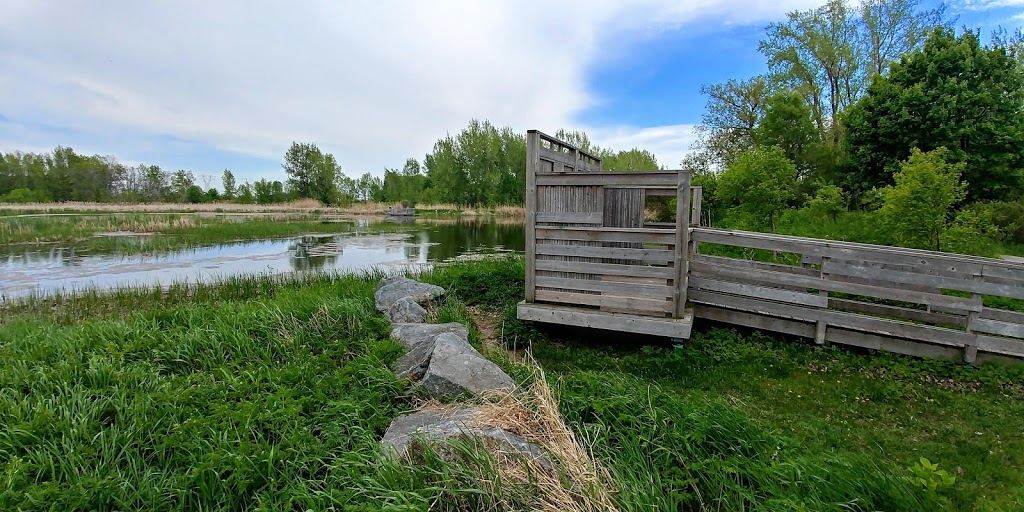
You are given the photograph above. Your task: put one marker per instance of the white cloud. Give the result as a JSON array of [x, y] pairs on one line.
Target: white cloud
[[668, 143], [371, 82]]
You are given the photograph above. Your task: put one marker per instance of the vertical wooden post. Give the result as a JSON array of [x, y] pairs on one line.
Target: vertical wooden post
[[822, 327], [971, 351], [532, 163], [698, 196], [681, 260]]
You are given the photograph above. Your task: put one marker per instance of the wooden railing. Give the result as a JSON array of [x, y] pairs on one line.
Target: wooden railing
[[908, 301]]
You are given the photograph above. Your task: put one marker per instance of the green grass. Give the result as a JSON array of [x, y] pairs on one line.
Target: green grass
[[272, 394]]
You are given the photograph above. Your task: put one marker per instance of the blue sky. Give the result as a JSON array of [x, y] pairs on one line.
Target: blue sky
[[206, 86]]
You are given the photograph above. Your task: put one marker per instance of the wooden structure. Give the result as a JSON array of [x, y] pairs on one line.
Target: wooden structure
[[592, 261], [395, 211]]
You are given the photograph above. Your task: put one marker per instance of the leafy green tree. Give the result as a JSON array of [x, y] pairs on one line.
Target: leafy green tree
[[788, 124], [245, 195], [917, 208], [891, 28], [817, 54], [758, 186], [635, 159], [181, 182], [482, 165], [228, 183], [952, 93], [828, 202], [733, 111], [311, 172]]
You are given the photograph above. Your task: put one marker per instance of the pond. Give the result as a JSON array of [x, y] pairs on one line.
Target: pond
[[370, 244]]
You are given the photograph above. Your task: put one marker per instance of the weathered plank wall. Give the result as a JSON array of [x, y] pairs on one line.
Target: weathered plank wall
[[908, 301]]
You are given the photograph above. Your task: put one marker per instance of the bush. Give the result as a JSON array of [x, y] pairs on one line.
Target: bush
[[24, 195]]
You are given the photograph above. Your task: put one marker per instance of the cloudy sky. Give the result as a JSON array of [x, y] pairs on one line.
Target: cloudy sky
[[206, 85]]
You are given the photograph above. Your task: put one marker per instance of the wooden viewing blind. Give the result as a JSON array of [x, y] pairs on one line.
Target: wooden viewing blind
[[593, 261]]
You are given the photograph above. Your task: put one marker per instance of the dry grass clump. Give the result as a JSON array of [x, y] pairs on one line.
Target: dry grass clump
[[577, 483]]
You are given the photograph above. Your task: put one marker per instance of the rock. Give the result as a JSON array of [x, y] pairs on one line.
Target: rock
[[394, 288], [406, 310], [402, 436], [456, 368], [413, 334], [415, 362]]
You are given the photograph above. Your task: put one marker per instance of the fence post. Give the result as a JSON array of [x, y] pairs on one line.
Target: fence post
[[681, 260], [532, 163]]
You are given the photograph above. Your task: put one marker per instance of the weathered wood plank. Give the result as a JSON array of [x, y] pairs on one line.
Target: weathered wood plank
[[1002, 315], [988, 326], [634, 304], [532, 162], [570, 217], [913, 315], [633, 179], [768, 323], [883, 326], [559, 157], [682, 243], [646, 291], [761, 292], [1003, 346], [964, 283], [698, 196], [667, 327], [653, 256], [895, 345], [584, 267], [628, 235], [774, 267], [834, 286]]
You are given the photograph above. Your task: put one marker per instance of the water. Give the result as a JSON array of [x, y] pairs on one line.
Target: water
[[27, 269]]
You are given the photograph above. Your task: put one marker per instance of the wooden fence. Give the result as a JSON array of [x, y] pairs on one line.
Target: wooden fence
[[908, 301]]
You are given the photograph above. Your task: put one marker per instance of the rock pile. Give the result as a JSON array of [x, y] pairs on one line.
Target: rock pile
[[441, 359]]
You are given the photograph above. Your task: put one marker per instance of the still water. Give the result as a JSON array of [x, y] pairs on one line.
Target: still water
[[28, 269]]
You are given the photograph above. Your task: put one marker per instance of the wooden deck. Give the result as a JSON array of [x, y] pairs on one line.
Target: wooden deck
[[592, 261]]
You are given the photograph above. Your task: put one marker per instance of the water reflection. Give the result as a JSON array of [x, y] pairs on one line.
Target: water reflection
[[25, 269]]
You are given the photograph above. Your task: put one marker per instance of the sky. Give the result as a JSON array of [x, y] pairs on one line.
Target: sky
[[207, 86]]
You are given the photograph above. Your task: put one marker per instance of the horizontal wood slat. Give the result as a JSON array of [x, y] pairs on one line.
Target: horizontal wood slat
[[626, 235], [653, 256], [818, 283], [667, 327], [642, 306], [571, 217], [762, 292], [585, 267], [559, 157], [635, 179], [937, 282], [996, 327], [646, 291]]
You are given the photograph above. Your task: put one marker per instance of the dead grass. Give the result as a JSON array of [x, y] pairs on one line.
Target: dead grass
[[577, 483]]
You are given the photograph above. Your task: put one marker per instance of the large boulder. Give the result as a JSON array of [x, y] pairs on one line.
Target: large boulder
[[413, 334], [415, 362], [406, 310], [456, 368], [405, 434], [392, 289]]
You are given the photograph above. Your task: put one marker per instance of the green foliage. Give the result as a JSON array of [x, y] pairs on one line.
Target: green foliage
[[24, 195], [930, 477], [733, 110], [635, 159], [311, 173], [916, 210], [828, 202], [952, 93], [758, 185], [787, 123], [228, 184], [269, 192], [245, 195], [482, 165]]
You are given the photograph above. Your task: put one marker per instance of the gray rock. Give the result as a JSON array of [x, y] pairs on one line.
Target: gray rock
[[405, 433], [398, 287], [456, 368], [406, 310], [388, 280], [415, 362], [411, 335]]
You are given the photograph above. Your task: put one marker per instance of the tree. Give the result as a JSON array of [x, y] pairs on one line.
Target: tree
[[891, 28], [245, 195], [635, 159], [951, 93], [787, 123], [733, 110], [228, 182], [181, 182], [758, 186], [816, 53], [311, 172], [828, 202], [916, 209]]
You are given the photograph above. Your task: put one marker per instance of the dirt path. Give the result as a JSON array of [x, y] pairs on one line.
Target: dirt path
[[489, 325]]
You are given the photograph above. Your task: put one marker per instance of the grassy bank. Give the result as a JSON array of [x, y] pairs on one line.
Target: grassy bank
[[273, 394]]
